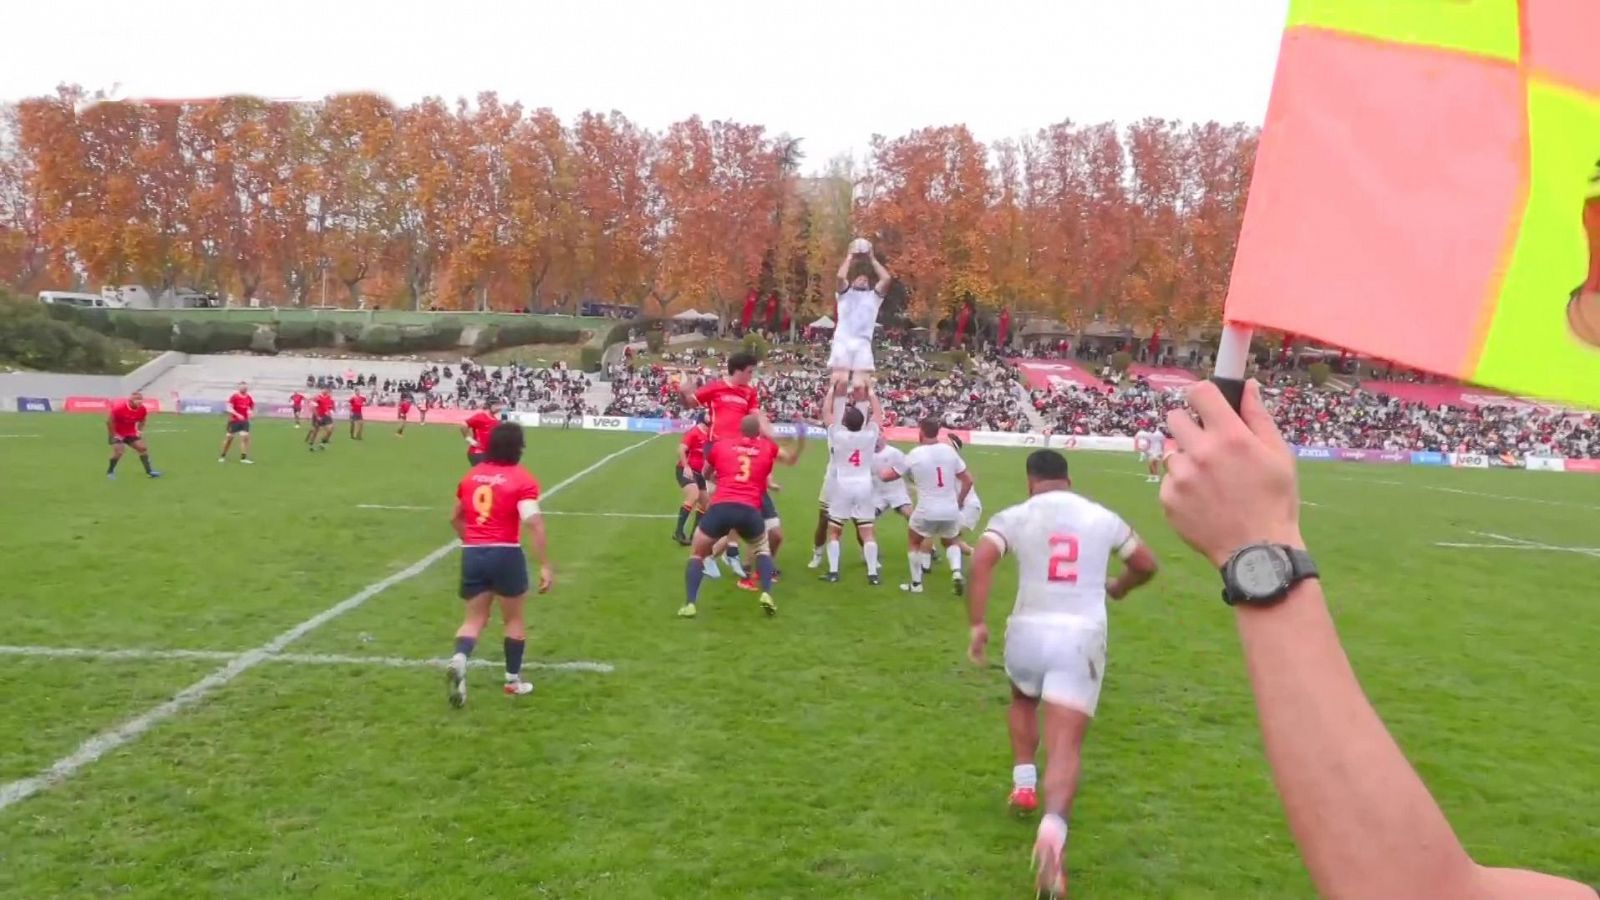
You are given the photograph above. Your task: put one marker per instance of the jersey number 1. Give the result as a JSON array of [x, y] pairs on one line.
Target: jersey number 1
[[1063, 558]]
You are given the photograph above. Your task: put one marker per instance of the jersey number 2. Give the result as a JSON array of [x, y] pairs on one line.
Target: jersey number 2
[[1063, 558], [483, 502]]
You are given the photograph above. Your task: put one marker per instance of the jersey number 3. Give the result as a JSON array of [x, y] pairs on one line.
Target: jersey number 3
[[483, 502], [744, 469], [1063, 558]]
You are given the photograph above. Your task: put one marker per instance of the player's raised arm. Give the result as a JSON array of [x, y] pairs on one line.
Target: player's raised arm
[[1365, 824], [875, 407], [884, 278], [844, 269]]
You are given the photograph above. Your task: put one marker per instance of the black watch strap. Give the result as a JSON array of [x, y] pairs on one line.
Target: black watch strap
[[1301, 566]]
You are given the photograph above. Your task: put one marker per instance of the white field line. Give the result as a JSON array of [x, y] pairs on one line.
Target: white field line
[[1464, 492], [1515, 543], [18, 435], [317, 659], [548, 512], [98, 746]]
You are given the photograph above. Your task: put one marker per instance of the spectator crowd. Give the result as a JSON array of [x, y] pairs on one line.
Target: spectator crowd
[[469, 385]]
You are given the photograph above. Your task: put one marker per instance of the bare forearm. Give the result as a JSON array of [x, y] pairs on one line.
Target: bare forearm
[[1365, 822], [536, 538]]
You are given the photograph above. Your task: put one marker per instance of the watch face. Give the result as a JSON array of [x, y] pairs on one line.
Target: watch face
[[1261, 571]]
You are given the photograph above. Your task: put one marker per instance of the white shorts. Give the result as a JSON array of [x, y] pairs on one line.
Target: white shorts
[[938, 525], [827, 488], [971, 515], [892, 499], [851, 501], [850, 353], [1060, 661]]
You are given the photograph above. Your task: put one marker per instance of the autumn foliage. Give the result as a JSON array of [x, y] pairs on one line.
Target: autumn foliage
[[484, 204]]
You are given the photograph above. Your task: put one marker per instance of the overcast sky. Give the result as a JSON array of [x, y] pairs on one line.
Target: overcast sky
[[831, 71]]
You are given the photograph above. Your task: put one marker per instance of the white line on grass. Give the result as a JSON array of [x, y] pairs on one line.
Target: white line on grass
[[1464, 492], [18, 435], [319, 659], [548, 512], [1515, 543], [98, 746]]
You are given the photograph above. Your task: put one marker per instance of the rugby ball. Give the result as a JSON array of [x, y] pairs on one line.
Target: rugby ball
[[860, 245]]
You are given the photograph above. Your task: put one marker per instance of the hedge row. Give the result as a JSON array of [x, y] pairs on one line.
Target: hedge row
[[30, 338]]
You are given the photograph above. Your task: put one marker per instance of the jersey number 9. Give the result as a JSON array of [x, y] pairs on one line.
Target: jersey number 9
[[483, 502]]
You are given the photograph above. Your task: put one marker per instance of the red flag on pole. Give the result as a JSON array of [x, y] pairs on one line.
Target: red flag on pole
[[962, 319], [772, 309], [749, 309], [1005, 327], [1155, 342]]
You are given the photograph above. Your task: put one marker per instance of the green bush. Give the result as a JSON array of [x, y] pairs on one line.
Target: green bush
[[1320, 372], [192, 337], [33, 336], [447, 334], [589, 359], [1120, 361], [655, 340], [756, 344], [379, 339], [195, 336], [300, 335]]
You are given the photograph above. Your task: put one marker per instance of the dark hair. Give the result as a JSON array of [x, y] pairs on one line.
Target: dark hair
[[1047, 465], [741, 361], [854, 419], [930, 428], [505, 444]]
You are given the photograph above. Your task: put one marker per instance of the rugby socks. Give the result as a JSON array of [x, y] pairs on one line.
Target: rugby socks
[[692, 574], [870, 549], [1025, 776], [464, 645], [144, 460], [765, 568], [833, 557], [683, 516], [916, 567], [514, 648], [953, 554], [732, 553], [111, 468], [698, 515]]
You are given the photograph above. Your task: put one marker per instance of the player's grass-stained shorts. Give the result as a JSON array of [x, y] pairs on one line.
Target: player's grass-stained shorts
[[725, 518], [698, 479], [1057, 659], [237, 427], [500, 570]]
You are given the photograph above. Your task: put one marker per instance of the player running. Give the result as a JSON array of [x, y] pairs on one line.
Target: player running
[[321, 420], [495, 499], [477, 429], [690, 475], [851, 447], [296, 400], [742, 467], [124, 428], [404, 414], [1055, 642], [942, 481], [358, 424], [887, 495], [1152, 446], [241, 406], [859, 301]]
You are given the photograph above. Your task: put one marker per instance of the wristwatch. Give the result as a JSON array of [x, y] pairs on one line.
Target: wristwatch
[[1262, 574]]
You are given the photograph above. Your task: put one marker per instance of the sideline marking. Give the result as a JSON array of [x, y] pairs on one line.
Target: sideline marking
[[320, 659], [1506, 542], [106, 741]]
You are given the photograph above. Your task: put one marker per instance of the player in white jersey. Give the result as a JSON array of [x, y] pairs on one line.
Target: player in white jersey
[[851, 446], [860, 297], [1152, 446], [942, 483], [1055, 647], [887, 495], [858, 399]]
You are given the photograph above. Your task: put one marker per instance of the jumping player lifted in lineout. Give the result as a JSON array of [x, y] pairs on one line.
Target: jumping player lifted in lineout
[[859, 301]]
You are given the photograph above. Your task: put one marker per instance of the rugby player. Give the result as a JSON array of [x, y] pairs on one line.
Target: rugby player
[[1152, 446], [321, 420], [404, 414], [971, 515], [1055, 643], [727, 401], [296, 400], [858, 399], [493, 501], [860, 298], [477, 429], [887, 495], [358, 424], [852, 445], [742, 467], [241, 406], [690, 475], [124, 428], [942, 481]]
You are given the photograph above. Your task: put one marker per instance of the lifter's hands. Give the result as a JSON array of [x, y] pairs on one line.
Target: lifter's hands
[[1232, 482]]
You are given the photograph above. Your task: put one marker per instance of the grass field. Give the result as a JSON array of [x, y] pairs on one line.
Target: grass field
[[843, 749]]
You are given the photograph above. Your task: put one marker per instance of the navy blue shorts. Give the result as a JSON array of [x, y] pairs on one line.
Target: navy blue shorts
[[769, 510], [699, 479], [476, 458], [724, 518], [237, 427], [355, 417], [502, 571], [321, 421]]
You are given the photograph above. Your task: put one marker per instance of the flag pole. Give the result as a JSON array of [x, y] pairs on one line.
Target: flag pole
[[1233, 354]]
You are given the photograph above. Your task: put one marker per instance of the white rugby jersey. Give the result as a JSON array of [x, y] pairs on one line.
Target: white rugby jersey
[[1063, 545], [890, 457], [933, 469], [850, 452], [858, 314]]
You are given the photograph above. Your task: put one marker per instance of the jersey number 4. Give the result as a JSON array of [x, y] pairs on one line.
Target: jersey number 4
[[855, 459], [1063, 558], [483, 502]]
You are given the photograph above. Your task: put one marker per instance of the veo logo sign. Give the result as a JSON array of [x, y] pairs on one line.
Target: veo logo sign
[[605, 423]]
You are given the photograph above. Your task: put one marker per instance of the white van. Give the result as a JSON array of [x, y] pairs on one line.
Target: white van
[[69, 298]]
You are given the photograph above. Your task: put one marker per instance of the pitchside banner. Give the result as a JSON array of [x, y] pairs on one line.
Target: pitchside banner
[[33, 404]]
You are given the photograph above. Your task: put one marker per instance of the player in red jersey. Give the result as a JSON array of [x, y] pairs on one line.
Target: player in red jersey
[[405, 414], [321, 420], [743, 470], [296, 400], [495, 499], [690, 474], [477, 428], [124, 427], [241, 406], [358, 424]]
